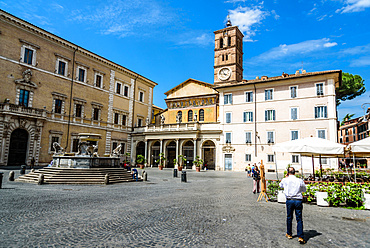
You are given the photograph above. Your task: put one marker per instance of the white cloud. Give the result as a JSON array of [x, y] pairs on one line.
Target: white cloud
[[330, 44], [357, 50], [302, 48], [246, 18], [124, 17], [203, 39], [354, 6], [276, 16], [360, 62]]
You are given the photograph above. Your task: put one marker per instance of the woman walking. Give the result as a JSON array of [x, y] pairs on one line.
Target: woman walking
[[256, 180]]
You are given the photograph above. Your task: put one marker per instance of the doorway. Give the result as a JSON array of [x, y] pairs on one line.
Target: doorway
[[18, 147], [171, 154], [188, 152], [228, 162]]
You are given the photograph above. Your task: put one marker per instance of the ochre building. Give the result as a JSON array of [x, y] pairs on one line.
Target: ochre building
[[52, 90]]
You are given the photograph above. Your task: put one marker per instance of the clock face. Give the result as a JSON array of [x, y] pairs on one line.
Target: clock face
[[224, 73]]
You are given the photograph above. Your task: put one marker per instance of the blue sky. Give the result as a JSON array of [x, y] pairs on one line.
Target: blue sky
[[169, 41]]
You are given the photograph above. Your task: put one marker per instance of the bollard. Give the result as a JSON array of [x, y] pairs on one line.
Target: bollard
[[23, 169], [11, 176], [106, 179], [145, 177], [40, 181], [174, 172], [183, 176], [1, 179]]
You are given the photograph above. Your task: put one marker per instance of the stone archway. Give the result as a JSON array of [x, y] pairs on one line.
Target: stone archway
[[140, 149], [155, 153], [18, 147], [170, 154], [188, 152], [209, 154]]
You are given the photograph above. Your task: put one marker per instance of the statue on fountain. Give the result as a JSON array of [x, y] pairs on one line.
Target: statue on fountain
[[58, 150], [117, 151]]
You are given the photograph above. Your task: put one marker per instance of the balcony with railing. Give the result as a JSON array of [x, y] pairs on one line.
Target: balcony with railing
[[8, 108], [188, 126]]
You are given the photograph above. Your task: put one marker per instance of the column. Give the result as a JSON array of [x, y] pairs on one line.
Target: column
[[195, 151], [177, 153], [160, 150], [146, 152]]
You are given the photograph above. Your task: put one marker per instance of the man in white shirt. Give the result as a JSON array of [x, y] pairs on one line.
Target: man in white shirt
[[293, 188]]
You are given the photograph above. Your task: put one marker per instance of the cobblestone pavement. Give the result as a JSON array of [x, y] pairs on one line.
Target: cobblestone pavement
[[213, 209]]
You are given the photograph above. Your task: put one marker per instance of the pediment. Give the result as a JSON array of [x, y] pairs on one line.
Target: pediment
[[190, 88]]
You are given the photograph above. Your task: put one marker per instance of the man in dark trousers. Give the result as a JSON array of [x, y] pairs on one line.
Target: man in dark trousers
[[293, 188]]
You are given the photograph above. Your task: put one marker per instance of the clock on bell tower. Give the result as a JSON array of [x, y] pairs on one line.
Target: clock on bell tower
[[228, 65]]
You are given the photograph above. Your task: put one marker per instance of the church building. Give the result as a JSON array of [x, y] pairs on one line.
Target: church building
[[234, 122]]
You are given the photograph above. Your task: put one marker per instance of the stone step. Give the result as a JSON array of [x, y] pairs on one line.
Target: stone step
[[78, 176]]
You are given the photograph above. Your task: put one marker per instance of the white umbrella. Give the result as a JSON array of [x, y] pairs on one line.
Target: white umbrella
[[311, 146], [360, 148]]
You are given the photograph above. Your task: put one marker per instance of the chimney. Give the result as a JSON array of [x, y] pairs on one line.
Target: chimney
[[257, 77], [297, 72], [264, 77]]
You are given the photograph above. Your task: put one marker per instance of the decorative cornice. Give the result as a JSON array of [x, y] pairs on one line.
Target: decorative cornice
[[29, 43], [62, 56]]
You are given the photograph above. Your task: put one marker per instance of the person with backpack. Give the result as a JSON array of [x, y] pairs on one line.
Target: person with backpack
[[256, 180]]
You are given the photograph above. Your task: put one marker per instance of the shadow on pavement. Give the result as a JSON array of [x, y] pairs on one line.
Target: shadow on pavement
[[311, 234]]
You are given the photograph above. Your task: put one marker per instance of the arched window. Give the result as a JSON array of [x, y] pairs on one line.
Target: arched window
[[201, 115], [179, 114], [190, 115], [221, 43]]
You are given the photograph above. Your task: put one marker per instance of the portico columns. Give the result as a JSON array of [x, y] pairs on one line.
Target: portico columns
[[177, 153], [160, 150], [195, 151]]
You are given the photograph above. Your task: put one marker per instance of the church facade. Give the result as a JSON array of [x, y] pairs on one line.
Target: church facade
[[52, 90], [235, 122]]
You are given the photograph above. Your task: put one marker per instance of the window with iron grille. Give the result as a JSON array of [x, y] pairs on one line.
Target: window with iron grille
[[201, 115]]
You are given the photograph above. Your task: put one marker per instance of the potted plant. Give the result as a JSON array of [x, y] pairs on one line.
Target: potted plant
[[321, 196], [140, 160], [181, 160], [198, 162], [161, 161], [127, 158]]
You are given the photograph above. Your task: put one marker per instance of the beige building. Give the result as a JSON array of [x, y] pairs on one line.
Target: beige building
[[187, 127], [52, 89], [235, 122]]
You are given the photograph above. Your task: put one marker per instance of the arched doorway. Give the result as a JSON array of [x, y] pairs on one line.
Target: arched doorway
[[18, 147], [188, 152], [155, 153], [171, 154], [140, 149], [208, 149]]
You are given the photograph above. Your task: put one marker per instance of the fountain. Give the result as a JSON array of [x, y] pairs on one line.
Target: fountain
[[87, 155], [83, 167]]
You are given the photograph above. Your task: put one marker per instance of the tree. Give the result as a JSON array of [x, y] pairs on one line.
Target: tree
[[347, 117], [352, 87]]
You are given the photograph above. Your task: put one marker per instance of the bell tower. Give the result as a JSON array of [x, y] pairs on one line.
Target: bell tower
[[228, 65]]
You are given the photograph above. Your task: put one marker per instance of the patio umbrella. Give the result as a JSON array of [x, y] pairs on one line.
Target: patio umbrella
[[311, 146], [360, 148]]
